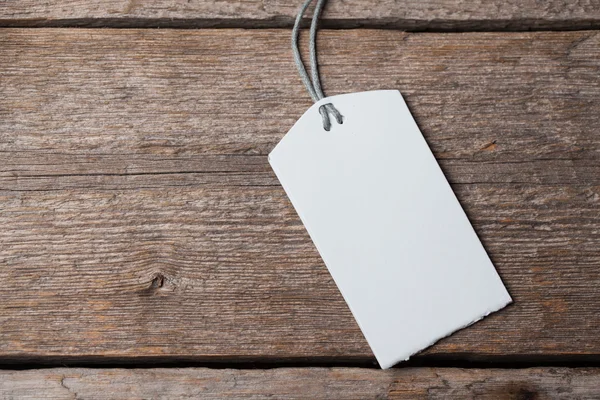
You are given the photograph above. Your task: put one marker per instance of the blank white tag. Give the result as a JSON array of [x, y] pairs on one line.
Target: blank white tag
[[387, 224]]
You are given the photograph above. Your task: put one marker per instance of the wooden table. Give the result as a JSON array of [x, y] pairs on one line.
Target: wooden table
[[148, 251]]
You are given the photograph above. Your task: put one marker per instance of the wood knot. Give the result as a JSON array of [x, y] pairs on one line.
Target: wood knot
[[526, 394], [157, 282], [157, 286]]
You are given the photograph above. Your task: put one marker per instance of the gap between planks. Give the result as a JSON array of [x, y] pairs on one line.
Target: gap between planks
[[437, 26], [241, 363]]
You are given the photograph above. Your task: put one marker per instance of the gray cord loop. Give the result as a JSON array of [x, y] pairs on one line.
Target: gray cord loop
[[325, 118], [313, 86], [327, 109]]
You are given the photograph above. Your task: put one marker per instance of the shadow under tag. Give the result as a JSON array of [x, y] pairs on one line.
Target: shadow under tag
[[387, 224]]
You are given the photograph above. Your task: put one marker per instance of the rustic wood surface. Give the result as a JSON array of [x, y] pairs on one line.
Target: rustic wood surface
[[303, 383], [140, 217], [408, 14]]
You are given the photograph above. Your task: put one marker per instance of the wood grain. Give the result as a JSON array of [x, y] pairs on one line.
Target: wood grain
[[307, 383], [406, 15], [141, 219]]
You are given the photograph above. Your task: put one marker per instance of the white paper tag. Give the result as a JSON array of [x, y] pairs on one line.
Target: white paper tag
[[387, 224]]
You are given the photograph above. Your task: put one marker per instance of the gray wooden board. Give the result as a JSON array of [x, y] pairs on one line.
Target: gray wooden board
[[409, 14], [301, 383]]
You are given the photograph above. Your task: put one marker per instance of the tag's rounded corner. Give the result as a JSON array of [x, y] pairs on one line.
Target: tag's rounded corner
[[397, 91]]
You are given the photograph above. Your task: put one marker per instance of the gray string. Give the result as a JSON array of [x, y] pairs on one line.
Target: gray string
[[313, 86]]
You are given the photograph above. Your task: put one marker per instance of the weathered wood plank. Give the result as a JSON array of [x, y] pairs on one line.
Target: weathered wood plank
[[307, 383], [140, 216], [406, 15]]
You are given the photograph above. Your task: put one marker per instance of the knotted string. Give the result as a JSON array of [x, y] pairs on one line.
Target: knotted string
[[313, 86]]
